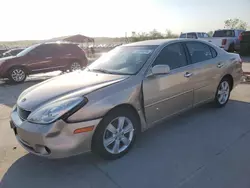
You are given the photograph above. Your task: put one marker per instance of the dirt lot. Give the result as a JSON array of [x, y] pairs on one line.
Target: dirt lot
[[205, 147]]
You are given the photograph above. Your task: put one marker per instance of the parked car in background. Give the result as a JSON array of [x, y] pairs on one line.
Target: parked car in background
[[41, 58], [124, 92], [2, 51], [228, 39], [245, 43], [194, 35], [12, 52]]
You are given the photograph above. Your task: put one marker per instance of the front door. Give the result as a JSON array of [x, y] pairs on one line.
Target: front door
[[39, 59], [166, 95]]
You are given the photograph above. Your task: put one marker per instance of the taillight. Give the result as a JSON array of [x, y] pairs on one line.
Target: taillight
[[241, 61], [224, 41], [240, 37]]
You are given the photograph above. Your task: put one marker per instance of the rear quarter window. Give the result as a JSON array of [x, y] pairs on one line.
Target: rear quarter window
[[213, 52]]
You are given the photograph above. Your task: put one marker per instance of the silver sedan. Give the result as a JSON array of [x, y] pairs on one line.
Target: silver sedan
[[123, 93]]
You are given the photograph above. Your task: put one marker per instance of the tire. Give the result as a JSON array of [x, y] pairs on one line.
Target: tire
[[223, 93], [17, 75], [75, 65], [231, 48], [103, 134]]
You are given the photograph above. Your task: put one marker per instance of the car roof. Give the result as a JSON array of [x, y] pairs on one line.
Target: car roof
[[158, 42], [58, 42]]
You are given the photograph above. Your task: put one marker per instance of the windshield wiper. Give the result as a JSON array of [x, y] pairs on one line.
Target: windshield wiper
[[102, 71], [108, 72]]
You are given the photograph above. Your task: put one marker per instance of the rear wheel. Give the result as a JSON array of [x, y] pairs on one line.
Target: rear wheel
[[223, 92], [75, 66], [17, 75], [231, 48], [116, 134]]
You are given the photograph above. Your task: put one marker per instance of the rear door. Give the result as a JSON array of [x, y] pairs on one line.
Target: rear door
[[204, 67]]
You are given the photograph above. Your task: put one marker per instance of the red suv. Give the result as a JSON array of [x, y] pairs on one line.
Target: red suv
[[42, 58]]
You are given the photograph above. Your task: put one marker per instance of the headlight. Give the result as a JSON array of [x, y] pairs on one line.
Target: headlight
[[54, 110]]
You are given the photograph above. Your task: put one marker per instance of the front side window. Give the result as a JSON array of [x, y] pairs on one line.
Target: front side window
[[123, 60], [183, 35], [172, 55], [28, 50], [199, 51]]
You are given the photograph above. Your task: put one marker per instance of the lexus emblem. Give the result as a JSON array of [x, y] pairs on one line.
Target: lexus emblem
[[23, 100]]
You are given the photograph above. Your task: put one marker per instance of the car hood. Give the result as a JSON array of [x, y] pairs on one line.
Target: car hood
[[80, 82], [6, 58]]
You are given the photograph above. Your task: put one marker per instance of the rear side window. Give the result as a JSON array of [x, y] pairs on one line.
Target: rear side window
[[191, 35], [71, 48], [199, 51], [213, 51], [172, 55]]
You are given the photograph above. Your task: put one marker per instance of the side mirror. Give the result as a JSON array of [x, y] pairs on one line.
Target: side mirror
[[160, 69]]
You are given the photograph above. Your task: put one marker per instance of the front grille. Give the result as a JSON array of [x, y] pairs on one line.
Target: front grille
[[23, 114]]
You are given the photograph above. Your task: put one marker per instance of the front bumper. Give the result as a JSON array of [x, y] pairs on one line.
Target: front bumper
[[56, 140]]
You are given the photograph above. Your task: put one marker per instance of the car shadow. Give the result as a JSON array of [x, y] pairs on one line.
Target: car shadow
[[174, 149]]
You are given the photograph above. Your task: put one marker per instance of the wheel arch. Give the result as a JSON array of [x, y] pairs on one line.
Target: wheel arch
[[126, 106], [19, 66], [229, 77]]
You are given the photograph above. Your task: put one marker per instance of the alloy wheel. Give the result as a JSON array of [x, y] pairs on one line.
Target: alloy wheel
[[223, 92], [75, 66], [118, 135], [18, 75]]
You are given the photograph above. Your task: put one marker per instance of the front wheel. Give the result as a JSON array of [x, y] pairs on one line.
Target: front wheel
[[75, 66], [115, 135], [223, 93], [17, 75]]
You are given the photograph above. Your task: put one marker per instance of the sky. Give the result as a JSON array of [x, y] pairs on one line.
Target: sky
[[45, 19]]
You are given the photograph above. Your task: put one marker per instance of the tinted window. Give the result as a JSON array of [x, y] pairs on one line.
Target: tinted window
[[199, 52], [173, 56], [213, 51], [191, 35], [224, 33], [46, 50]]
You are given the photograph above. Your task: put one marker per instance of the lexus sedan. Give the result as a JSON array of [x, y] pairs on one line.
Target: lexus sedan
[[126, 91]]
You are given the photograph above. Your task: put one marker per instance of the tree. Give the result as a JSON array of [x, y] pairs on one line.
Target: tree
[[210, 33], [235, 23], [154, 34]]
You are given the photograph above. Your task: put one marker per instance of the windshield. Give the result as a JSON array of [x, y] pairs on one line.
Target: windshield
[[224, 33], [123, 60], [27, 50]]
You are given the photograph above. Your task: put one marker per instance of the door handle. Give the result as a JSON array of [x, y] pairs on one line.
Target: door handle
[[219, 65], [188, 74], [48, 57]]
